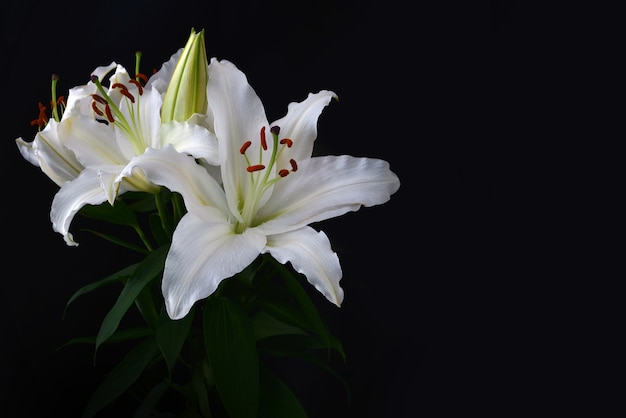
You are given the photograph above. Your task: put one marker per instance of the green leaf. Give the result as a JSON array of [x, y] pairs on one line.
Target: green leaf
[[150, 401], [266, 325], [231, 350], [302, 347], [115, 277], [156, 227], [171, 336], [119, 213], [277, 400], [117, 241], [305, 303], [147, 271], [118, 336], [122, 377]]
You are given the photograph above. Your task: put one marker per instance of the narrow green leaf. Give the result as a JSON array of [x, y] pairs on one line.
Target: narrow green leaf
[[156, 227], [119, 213], [231, 350], [115, 277], [117, 241], [150, 401], [147, 270], [266, 325], [300, 346], [277, 400], [171, 335], [305, 303], [117, 337], [122, 377]]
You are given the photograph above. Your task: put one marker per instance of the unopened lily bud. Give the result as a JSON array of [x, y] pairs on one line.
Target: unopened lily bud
[[186, 93]]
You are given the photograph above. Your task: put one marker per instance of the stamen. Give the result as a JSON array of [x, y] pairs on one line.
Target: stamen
[[294, 166], [94, 106], [126, 93], [283, 172], [245, 147], [107, 109], [120, 85], [138, 84], [42, 119], [263, 142], [99, 99], [142, 76], [256, 167], [286, 141]]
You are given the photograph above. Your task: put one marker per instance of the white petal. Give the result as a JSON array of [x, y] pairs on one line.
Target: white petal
[[79, 97], [204, 251], [192, 139], [310, 253], [239, 116], [300, 125], [46, 151], [326, 187], [93, 143], [71, 197], [180, 173], [113, 186]]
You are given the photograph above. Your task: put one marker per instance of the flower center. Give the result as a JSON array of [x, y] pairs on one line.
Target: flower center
[[263, 177], [109, 112]]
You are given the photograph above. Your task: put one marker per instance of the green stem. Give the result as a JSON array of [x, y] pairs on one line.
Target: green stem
[[143, 237], [179, 206], [166, 221]]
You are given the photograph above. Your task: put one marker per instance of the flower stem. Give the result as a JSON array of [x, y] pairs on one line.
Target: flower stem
[[143, 237], [163, 214]]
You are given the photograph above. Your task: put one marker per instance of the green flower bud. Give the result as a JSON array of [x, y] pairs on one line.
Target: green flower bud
[[186, 93]]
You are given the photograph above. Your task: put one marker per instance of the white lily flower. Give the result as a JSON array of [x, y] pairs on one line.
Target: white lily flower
[[108, 128], [272, 190]]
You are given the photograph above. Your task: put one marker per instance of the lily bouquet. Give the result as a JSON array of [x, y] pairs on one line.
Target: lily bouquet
[[220, 201]]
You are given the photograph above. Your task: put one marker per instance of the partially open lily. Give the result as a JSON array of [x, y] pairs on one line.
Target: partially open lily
[[272, 190], [108, 127]]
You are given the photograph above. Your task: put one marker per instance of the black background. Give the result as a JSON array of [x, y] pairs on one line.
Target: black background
[[442, 284]]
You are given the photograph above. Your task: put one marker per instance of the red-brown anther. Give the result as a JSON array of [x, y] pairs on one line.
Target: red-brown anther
[[143, 76], [283, 172], [294, 166], [245, 147], [94, 106], [42, 119], [253, 168], [39, 122], [126, 93], [99, 99], [138, 84], [61, 100], [286, 141], [107, 109], [263, 142]]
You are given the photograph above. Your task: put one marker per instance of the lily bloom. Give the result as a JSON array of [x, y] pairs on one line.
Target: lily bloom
[[271, 190], [107, 127]]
